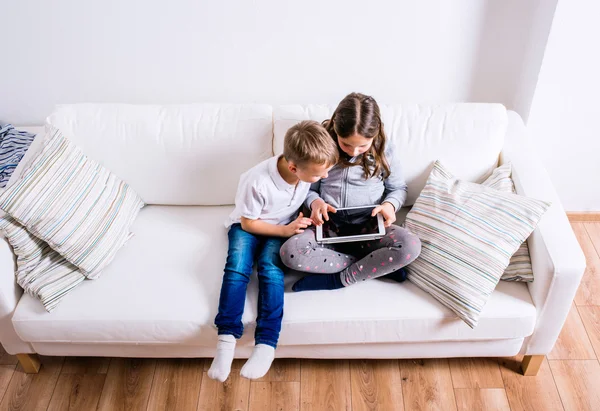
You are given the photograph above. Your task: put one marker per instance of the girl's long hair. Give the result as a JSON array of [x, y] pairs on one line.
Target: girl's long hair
[[359, 114]]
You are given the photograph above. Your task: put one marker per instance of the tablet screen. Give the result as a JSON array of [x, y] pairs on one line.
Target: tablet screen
[[351, 222]]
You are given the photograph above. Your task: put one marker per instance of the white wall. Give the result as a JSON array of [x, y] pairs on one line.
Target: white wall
[[565, 112], [271, 51]]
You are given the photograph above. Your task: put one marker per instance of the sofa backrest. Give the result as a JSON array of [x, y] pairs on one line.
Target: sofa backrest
[[176, 154], [194, 154], [466, 137]]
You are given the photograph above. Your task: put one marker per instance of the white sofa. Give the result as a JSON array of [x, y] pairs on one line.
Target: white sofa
[[159, 297]]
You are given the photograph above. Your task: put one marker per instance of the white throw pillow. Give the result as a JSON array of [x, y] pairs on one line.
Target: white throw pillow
[[82, 210], [41, 271], [520, 268], [468, 233]]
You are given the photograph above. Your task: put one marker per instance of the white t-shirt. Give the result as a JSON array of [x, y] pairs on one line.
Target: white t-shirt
[[263, 194]]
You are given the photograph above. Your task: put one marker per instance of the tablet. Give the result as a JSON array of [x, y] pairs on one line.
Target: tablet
[[351, 224]]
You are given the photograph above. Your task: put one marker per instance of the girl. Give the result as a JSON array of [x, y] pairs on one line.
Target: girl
[[367, 173]]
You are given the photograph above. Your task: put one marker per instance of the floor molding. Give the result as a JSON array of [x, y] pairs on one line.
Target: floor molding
[[584, 216]]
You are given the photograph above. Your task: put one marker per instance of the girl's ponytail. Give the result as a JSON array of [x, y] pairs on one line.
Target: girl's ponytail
[[378, 150]]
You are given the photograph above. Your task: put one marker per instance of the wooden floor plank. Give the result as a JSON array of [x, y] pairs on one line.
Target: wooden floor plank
[[233, 394], [266, 396], [127, 386], [589, 289], [583, 216], [529, 393], [325, 385], [573, 342], [578, 383], [283, 370], [86, 365], [6, 373], [593, 230], [475, 373], [376, 385], [488, 399], [176, 385], [77, 392], [590, 315], [32, 391], [427, 385]]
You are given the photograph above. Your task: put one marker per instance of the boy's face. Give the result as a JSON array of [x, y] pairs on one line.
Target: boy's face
[[310, 172]]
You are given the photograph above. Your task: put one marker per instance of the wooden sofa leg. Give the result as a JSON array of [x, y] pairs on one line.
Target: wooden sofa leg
[[531, 364], [30, 363]]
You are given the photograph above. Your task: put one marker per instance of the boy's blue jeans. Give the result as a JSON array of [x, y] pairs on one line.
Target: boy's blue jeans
[[243, 249]]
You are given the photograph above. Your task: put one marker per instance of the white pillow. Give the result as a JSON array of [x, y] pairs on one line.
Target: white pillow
[[82, 210], [519, 268], [468, 233], [41, 271]]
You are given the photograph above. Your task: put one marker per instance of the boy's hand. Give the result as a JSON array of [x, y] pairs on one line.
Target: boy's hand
[[319, 211], [388, 213], [297, 226]]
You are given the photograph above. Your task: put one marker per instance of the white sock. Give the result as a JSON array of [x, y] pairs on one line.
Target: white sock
[[221, 365], [259, 362]]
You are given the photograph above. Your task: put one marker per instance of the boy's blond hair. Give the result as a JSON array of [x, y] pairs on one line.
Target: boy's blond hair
[[309, 142]]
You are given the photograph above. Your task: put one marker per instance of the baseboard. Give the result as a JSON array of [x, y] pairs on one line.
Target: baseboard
[[584, 216]]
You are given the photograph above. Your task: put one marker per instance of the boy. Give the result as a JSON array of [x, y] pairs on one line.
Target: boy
[[268, 197]]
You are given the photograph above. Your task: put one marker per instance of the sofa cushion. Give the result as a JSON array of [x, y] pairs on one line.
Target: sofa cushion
[[41, 271], [468, 233], [81, 209], [519, 268], [177, 154], [163, 288], [467, 137]]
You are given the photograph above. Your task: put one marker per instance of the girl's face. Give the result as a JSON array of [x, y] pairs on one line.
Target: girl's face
[[354, 145]]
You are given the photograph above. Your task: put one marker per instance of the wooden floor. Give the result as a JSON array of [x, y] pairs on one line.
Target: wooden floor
[[569, 378]]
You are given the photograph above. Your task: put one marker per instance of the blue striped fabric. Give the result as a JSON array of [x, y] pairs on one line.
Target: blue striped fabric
[[13, 146]]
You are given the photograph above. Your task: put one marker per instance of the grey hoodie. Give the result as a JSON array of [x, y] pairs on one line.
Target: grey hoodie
[[347, 186]]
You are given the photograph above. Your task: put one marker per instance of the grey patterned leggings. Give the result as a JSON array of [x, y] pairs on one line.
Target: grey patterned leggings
[[357, 261]]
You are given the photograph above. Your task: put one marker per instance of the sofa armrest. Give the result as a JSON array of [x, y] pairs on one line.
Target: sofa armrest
[[557, 259], [10, 291], [10, 294]]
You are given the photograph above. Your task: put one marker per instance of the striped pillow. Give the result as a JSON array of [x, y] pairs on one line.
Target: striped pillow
[[41, 271], [468, 233], [519, 268], [73, 203]]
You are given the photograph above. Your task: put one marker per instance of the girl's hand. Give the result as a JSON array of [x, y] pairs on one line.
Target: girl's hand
[[297, 226], [319, 211], [388, 213]]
